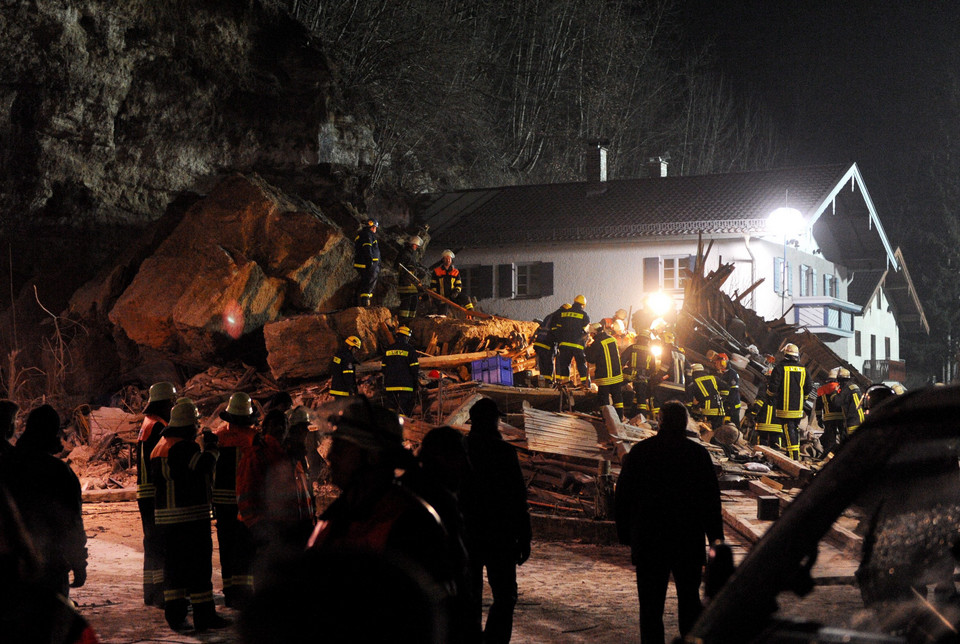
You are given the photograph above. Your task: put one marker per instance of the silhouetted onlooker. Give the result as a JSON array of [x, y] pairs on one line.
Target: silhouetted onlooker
[[47, 493], [667, 503], [8, 423], [494, 503]]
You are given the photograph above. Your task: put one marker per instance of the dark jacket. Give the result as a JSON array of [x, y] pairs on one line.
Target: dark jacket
[[182, 475], [570, 328], [603, 353], [343, 376], [494, 494], [703, 396], [366, 251], [400, 366], [667, 500], [827, 407], [410, 259], [848, 400], [446, 281], [787, 388], [147, 439], [728, 382], [639, 365]]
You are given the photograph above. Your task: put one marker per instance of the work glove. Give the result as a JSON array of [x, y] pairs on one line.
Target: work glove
[[210, 440], [523, 552], [79, 576], [455, 292]]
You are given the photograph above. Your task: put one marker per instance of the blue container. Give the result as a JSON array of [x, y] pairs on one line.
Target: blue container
[[495, 371]]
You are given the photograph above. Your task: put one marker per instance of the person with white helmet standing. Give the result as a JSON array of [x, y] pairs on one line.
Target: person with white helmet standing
[[828, 412], [787, 389], [407, 287], [445, 280], [366, 260]]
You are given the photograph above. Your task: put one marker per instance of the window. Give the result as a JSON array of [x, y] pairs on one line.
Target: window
[[530, 280], [886, 348], [856, 344], [477, 281], [781, 269], [879, 301], [873, 347], [808, 280], [672, 278], [831, 286]]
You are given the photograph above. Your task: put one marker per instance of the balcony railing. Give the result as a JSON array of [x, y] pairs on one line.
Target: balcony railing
[[825, 316], [879, 370]]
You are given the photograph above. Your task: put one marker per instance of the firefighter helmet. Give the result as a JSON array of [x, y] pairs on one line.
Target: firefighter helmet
[[447, 253], [299, 416], [790, 349], [833, 373], [184, 414], [416, 240], [595, 327], [875, 395], [565, 306], [239, 410], [843, 374], [899, 389], [696, 367], [162, 391], [621, 314], [404, 330], [581, 300], [371, 223], [669, 337], [353, 341]]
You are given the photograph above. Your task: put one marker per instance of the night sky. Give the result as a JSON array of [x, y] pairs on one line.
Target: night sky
[[848, 80]]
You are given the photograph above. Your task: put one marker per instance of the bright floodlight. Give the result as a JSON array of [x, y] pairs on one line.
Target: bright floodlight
[[785, 222], [660, 303]]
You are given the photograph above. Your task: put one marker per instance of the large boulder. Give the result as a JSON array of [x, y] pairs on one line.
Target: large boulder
[[230, 266], [467, 336]]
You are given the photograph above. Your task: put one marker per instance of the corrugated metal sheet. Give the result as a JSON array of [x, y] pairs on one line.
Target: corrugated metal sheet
[[558, 433]]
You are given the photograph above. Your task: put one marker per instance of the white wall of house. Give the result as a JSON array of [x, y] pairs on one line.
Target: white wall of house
[[877, 326]]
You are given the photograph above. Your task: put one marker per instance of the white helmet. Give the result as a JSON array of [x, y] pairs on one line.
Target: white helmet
[[447, 253], [833, 373], [416, 240]]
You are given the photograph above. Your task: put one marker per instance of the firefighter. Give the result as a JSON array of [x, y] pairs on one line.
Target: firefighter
[[407, 288], [401, 368], [875, 395], [366, 260], [237, 547], [608, 374], [545, 344], [343, 367], [728, 382], [787, 389], [639, 366], [828, 412], [848, 400], [155, 417], [766, 430], [703, 396], [571, 330], [445, 280], [670, 379], [181, 471]]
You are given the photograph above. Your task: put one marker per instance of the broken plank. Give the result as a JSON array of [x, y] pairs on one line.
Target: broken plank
[[786, 464]]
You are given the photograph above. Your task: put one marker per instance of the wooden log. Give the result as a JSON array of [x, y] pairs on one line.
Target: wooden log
[[794, 468], [461, 414], [433, 362]]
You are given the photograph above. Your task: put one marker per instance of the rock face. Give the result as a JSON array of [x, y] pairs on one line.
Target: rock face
[[237, 260]]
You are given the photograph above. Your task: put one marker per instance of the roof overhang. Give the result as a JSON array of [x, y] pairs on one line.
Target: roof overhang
[[903, 298], [847, 229]]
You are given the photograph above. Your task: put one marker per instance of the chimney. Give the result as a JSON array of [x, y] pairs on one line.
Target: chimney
[[597, 162], [657, 166]]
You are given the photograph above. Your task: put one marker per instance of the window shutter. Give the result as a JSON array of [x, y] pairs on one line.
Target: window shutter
[[813, 281], [545, 279], [651, 274], [777, 274], [484, 286], [789, 280], [803, 279], [505, 281]]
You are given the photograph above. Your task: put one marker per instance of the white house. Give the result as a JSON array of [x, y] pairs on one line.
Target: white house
[[524, 250]]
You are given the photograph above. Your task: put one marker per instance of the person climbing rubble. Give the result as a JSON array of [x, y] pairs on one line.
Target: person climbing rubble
[[366, 261], [571, 331], [409, 270], [608, 375], [787, 390]]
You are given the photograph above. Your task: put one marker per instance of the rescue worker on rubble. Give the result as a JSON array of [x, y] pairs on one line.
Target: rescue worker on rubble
[[828, 413], [787, 389], [545, 344], [608, 374], [728, 382], [761, 418], [703, 396], [571, 331], [445, 280], [848, 400], [616, 326], [876, 395], [181, 472], [670, 380], [237, 548], [639, 366], [156, 415], [366, 260], [407, 287], [343, 368], [401, 370]]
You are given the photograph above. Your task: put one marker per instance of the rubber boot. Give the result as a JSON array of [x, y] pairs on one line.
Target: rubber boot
[[175, 612], [205, 617]]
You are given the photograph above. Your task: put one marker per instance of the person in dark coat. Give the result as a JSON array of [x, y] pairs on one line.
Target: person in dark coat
[[155, 418], [401, 368], [667, 502], [407, 287], [366, 260], [47, 493], [343, 368], [608, 373], [497, 520]]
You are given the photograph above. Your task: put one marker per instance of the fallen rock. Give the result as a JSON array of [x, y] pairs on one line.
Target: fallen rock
[[465, 336]]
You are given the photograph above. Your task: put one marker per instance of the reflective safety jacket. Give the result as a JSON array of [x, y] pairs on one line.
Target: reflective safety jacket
[[343, 378], [409, 258], [787, 388], [366, 251], [571, 327], [639, 364], [234, 441], [604, 354], [400, 366], [728, 382], [545, 337], [147, 439], [446, 281], [763, 416], [827, 407], [848, 399], [703, 396], [181, 473]]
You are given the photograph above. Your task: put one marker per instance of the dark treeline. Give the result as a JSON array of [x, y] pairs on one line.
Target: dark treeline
[[469, 93]]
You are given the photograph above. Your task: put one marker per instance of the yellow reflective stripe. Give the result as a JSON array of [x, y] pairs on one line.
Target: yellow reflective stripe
[[541, 345], [612, 380], [167, 516], [346, 371], [359, 265], [225, 497], [571, 344], [199, 598], [146, 491], [337, 392], [399, 388]]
